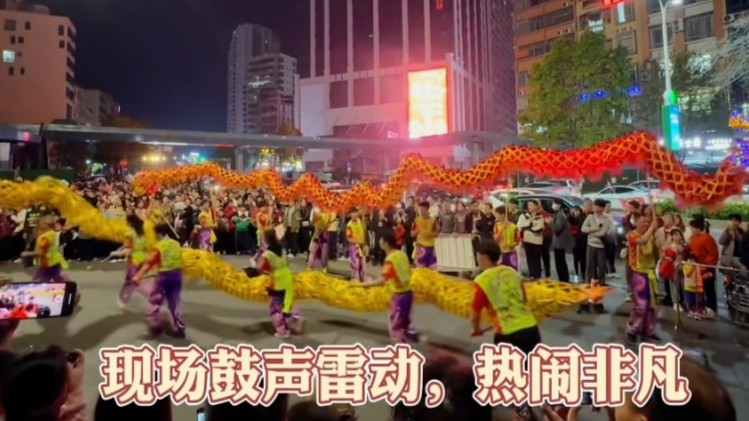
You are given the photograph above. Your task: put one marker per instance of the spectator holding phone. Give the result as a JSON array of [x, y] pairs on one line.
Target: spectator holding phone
[[45, 385]]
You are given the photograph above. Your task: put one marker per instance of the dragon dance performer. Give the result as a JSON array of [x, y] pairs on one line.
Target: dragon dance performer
[[280, 288], [507, 236], [396, 273], [500, 291], [356, 236], [47, 251], [206, 236], [319, 249], [642, 280], [425, 231], [136, 250], [167, 258]]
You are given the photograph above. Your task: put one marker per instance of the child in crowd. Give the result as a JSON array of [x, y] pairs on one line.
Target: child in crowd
[[671, 256], [693, 288]]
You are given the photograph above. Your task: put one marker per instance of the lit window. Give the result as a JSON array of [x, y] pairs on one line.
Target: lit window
[[9, 56]]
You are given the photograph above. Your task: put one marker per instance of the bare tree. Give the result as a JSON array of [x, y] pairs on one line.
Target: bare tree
[[732, 56]]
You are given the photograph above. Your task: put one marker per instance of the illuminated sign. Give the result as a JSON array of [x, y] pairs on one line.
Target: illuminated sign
[[427, 103], [612, 3]]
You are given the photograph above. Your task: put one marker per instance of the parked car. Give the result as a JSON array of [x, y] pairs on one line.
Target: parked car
[[545, 199], [561, 187], [619, 196], [654, 187]]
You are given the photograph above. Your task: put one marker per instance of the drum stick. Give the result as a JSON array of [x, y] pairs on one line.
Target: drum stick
[[106, 259]]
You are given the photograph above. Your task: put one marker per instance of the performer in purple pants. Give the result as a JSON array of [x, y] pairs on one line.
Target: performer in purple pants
[[167, 258]]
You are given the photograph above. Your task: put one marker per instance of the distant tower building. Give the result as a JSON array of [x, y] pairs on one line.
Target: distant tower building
[[248, 41], [270, 93]]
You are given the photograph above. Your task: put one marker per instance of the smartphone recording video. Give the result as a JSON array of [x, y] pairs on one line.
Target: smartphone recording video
[[29, 300]]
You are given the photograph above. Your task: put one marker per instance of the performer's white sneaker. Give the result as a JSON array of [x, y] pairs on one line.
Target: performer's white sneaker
[[282, 335]]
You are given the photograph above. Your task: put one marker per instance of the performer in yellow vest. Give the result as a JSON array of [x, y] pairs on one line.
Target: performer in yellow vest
[[507, 236], [206, 236], [136, 250], [47, 253], [356, 235], [319, 249], [280, 287], [167, 259], [425, 231], [642, 280], [499, 291], [396, 273]]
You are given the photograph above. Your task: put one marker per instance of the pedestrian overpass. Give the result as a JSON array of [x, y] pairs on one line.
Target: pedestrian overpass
[[478, 143]]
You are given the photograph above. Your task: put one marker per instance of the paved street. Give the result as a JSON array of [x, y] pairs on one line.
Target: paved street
[[214, 317]]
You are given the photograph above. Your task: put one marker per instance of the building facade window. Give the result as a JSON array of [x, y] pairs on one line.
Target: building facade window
[[656, 35], [524, 78], [363, 35], [591, 3], [12, 40], [21, 40], [544, 47], [338, 37], [542, 22], [364, 92], [416, 22], [699, 27], [442, 30], [27, 26], [23, 71], [339, 94], [593, 22], [61, 44], [654, 6], [625, 13], [391, 34], [61, 30], [11, 71], [524, 4], [9, 25], [391, 89], [9, 56], [628, 41]]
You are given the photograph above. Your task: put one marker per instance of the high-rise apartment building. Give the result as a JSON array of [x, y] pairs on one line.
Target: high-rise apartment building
[[270, 91], [694, 26], [37, 73], [94, 107], [248, 41]]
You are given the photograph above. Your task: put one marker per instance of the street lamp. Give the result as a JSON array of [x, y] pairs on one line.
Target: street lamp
[[670, 110]]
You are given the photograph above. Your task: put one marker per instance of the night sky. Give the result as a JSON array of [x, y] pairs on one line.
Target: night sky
[[165, 60]]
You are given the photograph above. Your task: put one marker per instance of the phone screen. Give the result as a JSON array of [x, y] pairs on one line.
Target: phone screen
[[201, 414], [21, 301]]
